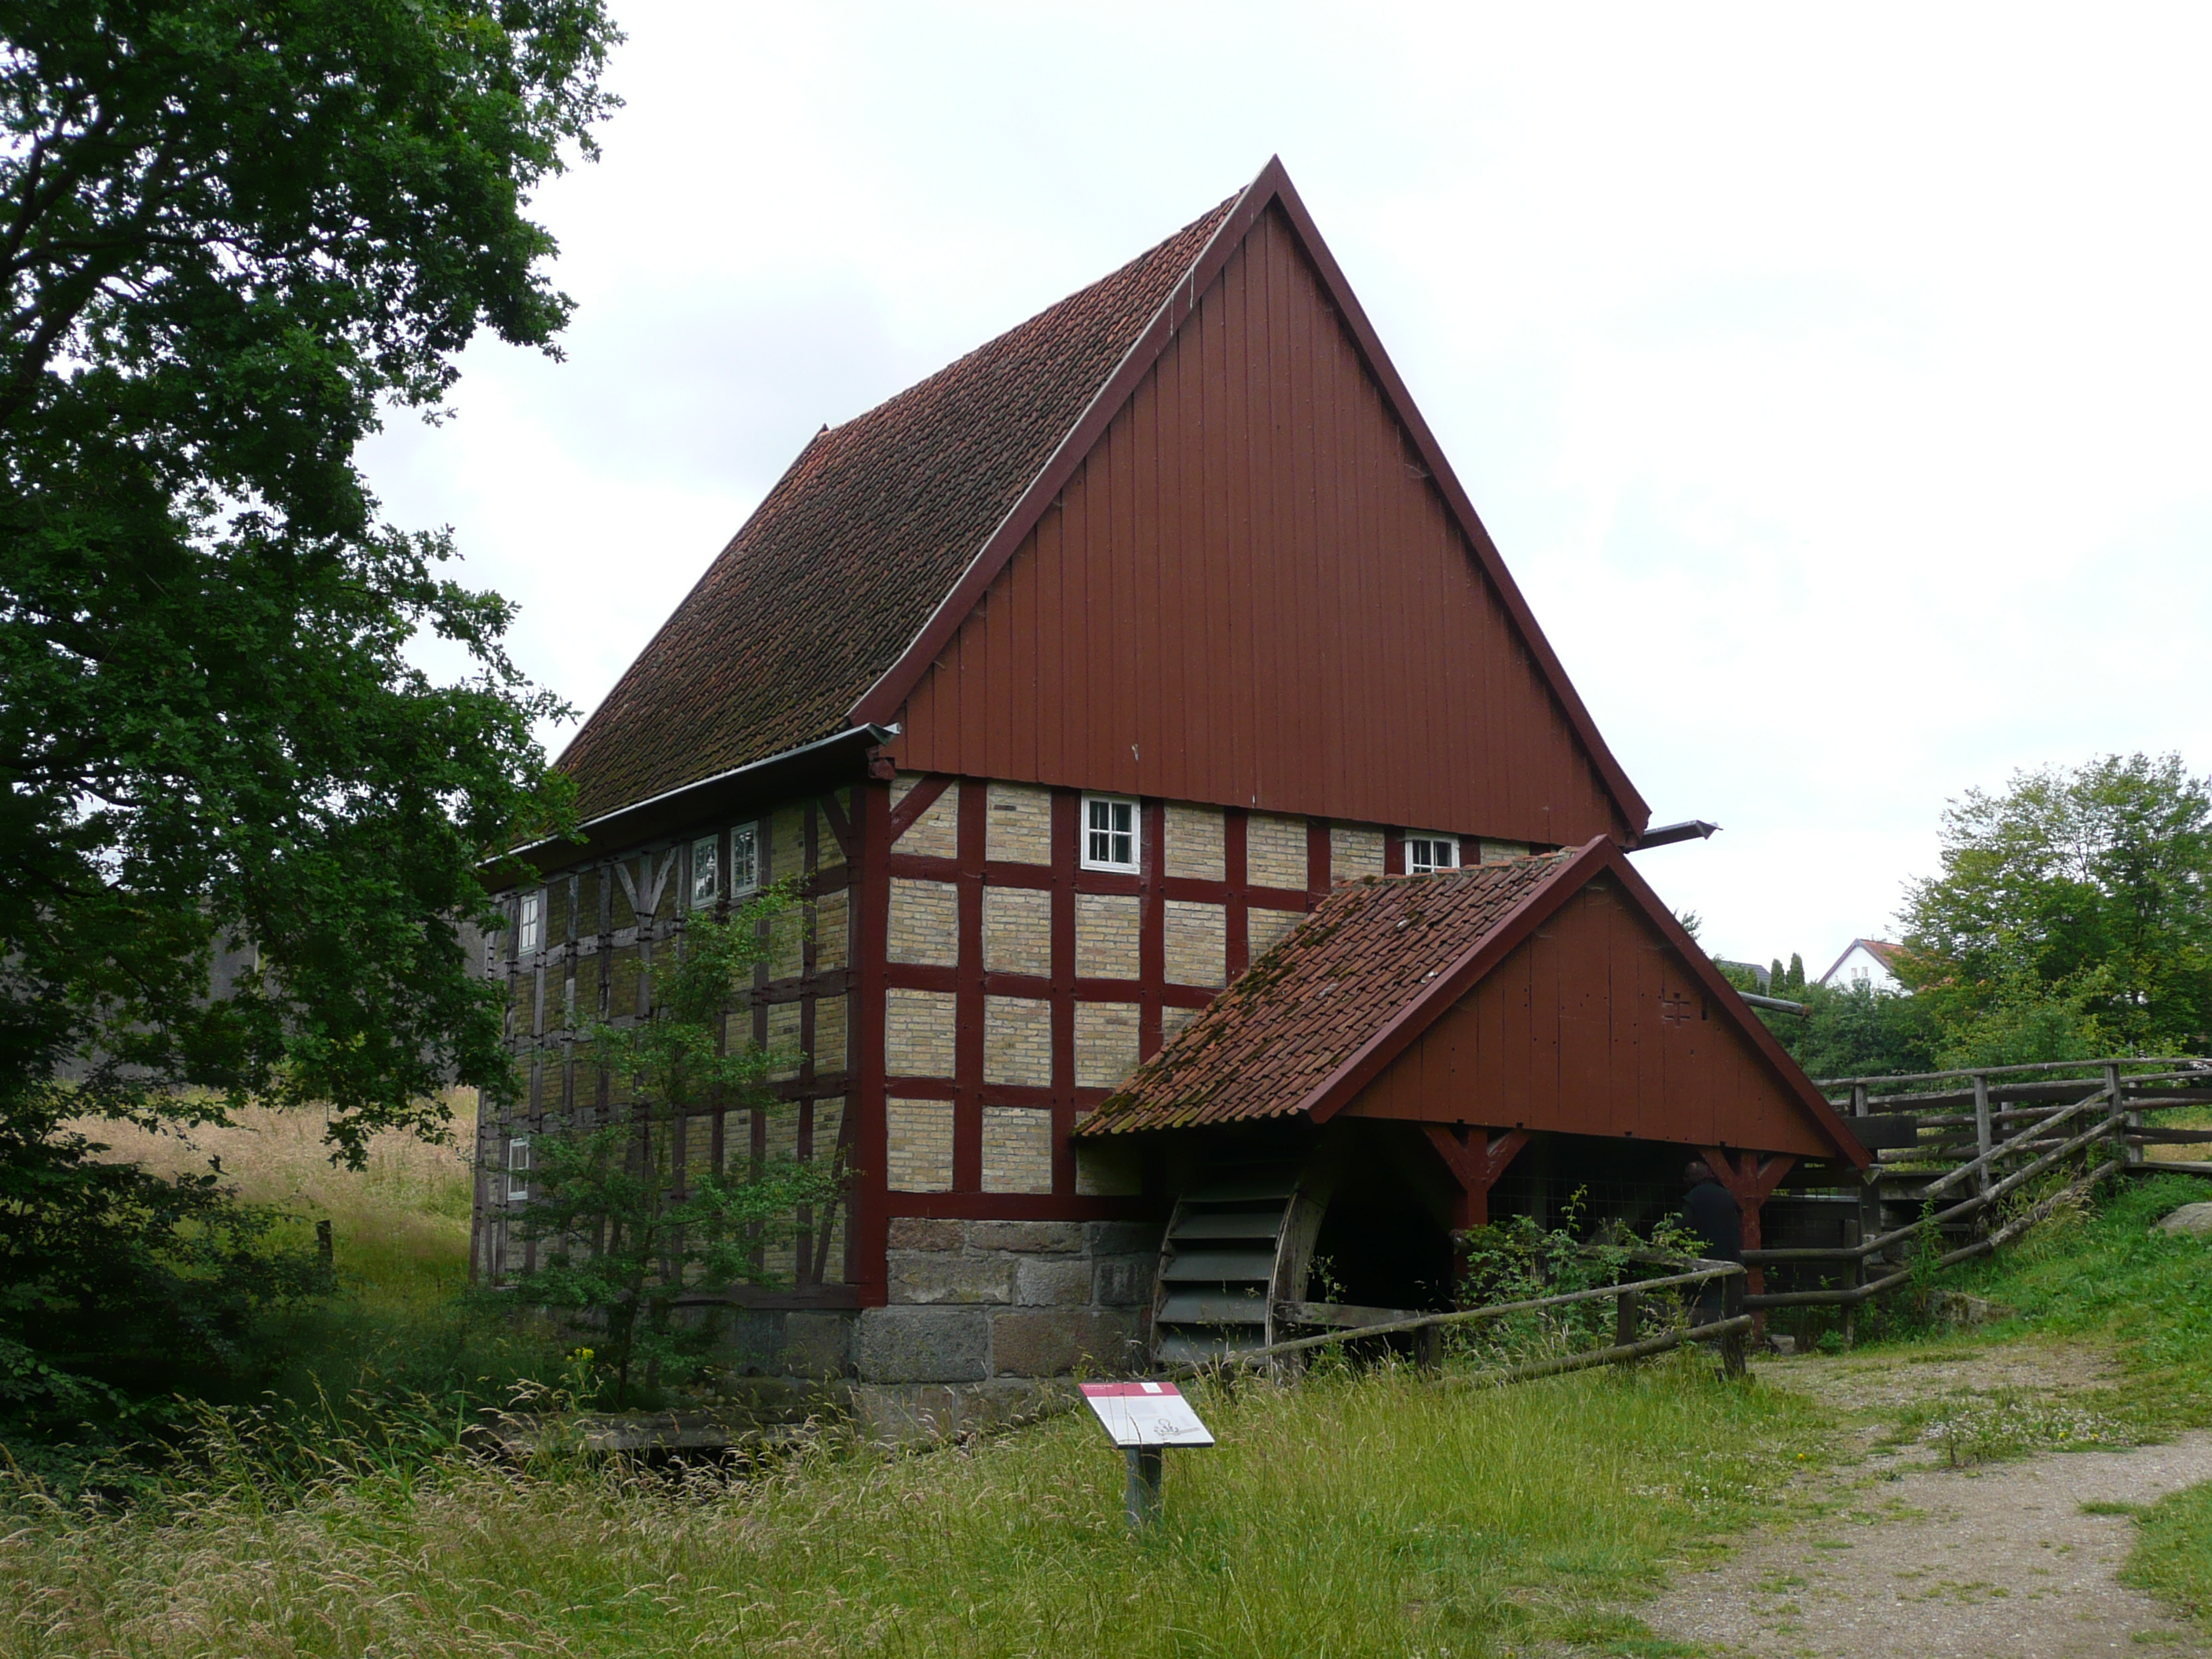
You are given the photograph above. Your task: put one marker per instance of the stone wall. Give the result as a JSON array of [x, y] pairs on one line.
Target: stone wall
[[972, 1300]]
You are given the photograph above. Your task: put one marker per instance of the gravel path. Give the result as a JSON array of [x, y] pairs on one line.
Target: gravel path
[[1897, 1555]]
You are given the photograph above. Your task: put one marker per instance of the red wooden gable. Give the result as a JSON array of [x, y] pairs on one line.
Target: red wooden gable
[[1250, 578], [1554, 993], [1597, 1024]]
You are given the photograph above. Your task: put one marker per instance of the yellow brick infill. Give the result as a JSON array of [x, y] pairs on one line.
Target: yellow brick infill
[[833, 931], [831, 1026], [918, 1032], [1017, 825], [1274, 851], [1354, 850], [1196, 842], [1105, 1043], [1016, 931], [1106, 935], [787, 841], [918, 1146], [1018, 1041], [1195, 935], [936, 833], [925, 923], [783, 1020], [1017, 1149]]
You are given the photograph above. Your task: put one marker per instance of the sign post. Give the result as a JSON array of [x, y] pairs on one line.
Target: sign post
[[1143, 1420]]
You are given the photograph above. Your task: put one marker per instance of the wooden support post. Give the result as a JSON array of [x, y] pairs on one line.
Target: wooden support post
[[1983, 1142], [1731, 1361], [1142, 1498], [1749, 1184], [1627, 1315], [2124, 1125], [1429, 1347], [1476, 1159], [1858, 1100]]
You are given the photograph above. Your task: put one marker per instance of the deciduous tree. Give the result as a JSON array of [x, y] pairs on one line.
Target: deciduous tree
[[233, 234]]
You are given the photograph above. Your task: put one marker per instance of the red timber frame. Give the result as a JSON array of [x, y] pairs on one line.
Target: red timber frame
[[1749, 1177], [1476, 1157], [880, 825]]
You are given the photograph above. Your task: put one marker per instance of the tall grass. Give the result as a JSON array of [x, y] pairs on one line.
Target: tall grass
[[1370, 1513], [403, 1323]]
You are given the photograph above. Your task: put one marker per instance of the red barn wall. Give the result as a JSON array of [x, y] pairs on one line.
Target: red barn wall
[[1595, 1026], [1251, 593]]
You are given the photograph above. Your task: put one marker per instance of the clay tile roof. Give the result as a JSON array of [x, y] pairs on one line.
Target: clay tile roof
[[860, 541], [1337, 979]]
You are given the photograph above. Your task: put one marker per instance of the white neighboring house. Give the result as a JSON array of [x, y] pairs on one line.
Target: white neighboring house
[[1866, 962]]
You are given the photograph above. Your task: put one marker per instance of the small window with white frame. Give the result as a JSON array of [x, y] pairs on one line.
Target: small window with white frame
[[529, 924], [744, 858], [1425, 854], [1110, 833], [706, 871], [518, 1170]]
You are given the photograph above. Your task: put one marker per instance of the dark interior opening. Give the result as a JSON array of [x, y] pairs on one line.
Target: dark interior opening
[[1379, 1246]]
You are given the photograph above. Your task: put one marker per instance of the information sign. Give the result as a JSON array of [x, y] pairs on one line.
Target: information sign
[[1140, 1415]]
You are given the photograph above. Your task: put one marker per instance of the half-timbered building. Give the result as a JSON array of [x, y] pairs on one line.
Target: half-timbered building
[[1069, 682]]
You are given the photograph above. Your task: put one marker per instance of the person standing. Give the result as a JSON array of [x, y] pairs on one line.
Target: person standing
[[1711, 1211]]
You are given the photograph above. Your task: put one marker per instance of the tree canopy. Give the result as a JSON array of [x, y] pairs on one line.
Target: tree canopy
[[2073, 908], [2071, 918], [233, 234]]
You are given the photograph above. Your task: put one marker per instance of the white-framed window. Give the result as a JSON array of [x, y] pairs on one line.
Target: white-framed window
[[1110, 833], [744, 858], [1425, 853], [706, 870], [529, 924], [517, 1168]]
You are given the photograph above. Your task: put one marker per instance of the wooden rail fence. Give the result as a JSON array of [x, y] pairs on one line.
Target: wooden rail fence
[[1629, 1300], [1953, 1146]]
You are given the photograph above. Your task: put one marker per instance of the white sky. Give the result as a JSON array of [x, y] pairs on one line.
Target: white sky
[[1837, 385]]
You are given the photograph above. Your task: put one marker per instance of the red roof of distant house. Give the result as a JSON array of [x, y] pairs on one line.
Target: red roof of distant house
[[1273, 1040], [833, 576]]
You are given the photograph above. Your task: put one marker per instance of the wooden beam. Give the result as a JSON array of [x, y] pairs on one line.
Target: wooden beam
[[1475, 1165]]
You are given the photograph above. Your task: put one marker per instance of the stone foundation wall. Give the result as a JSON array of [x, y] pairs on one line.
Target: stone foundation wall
[[973, 1302]]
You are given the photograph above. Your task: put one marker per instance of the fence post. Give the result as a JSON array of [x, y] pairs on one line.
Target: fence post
[[1732, 1344], [1429, 1347], [2127, 1123], [1858, 1100], [1628, 1316], [1983, 1141]]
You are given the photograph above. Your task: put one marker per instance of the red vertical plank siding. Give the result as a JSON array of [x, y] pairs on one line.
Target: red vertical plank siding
[[1482, 1061], [1153, 675], [1251, 594]]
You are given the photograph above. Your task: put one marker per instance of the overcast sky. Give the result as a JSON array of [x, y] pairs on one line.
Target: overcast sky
[[1837, 385]]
